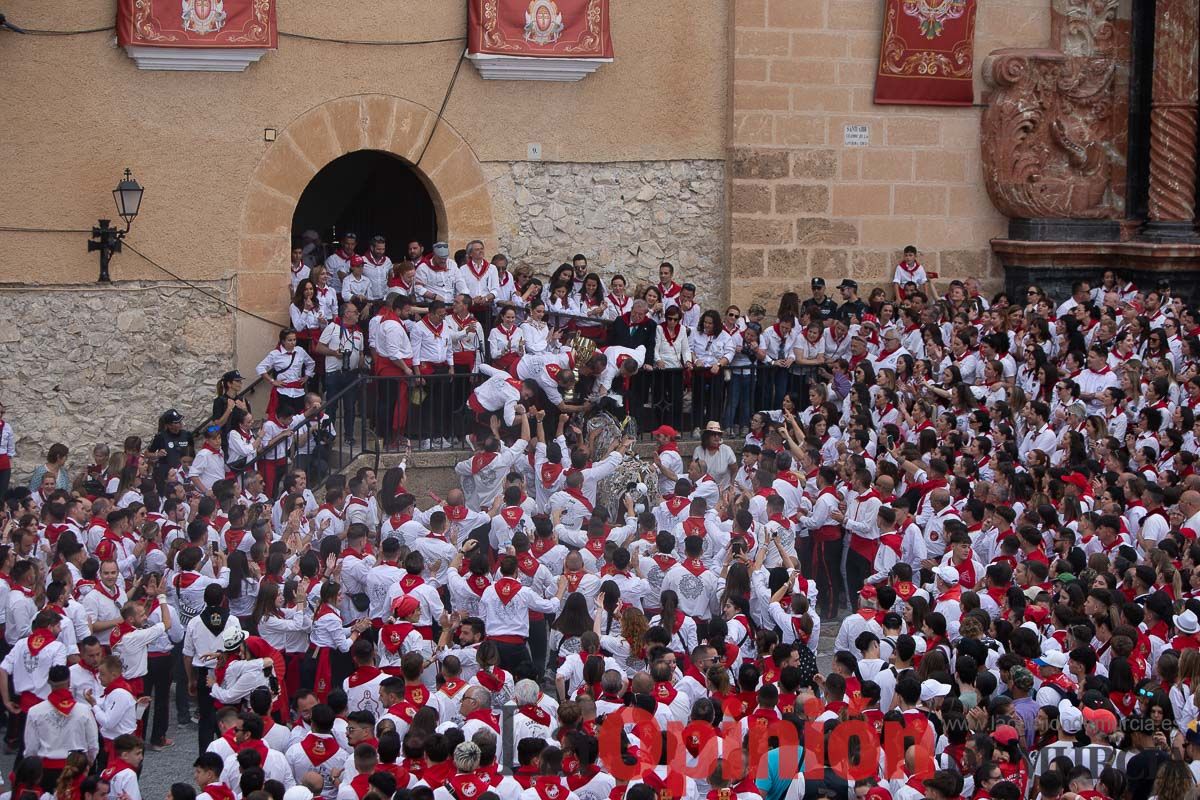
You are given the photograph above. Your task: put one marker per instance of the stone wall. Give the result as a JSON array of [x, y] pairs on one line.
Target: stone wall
[[625, 217], [803, 202], [84, 364]]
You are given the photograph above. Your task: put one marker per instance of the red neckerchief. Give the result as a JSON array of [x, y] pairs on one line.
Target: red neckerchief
[[669, 290], [676, 503], [480, 460], [116, 767], [483, 268], [39, 638], [331, 510], [550, 473], [694, 566], [119, 683], [486, 716], [506, 589], [104, 590], [581, 497], [666, 332], [535, 713], [363, 675], [575, 578], [437, 332], [527, 564], [319, 748], [118, 633], [325, 610], [62, 700]]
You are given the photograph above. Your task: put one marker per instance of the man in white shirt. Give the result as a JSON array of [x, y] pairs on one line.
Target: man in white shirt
[[341, 343], [104, 602], [438, 277], [28, 665], [1040, 435], [482, 475], [205, 635], [432, 356], [117, 708], [504, 607], [21, 605], [378, 267], [60, 724], [319, 751], [356, 287]]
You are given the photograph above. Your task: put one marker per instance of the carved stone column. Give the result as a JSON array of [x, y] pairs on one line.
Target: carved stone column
[[1172, 202]]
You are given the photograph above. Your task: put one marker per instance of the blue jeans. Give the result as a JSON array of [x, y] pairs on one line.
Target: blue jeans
[[738, 405]]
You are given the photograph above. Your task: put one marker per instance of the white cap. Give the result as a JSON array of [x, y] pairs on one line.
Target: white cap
[[1070, 718], [931, 689], [1053, 658], [947, 573]]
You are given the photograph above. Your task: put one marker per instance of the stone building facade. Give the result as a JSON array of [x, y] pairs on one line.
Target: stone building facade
[[715, 139]]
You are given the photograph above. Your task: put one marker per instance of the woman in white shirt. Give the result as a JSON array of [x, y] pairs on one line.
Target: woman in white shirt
[[505, 341], [619, 303], [589, 302], [711, 351], [628, 648], [747, 357], [654, 300], [672, 352], [243, 586], [535, 333], [305, 314], [284, 623]]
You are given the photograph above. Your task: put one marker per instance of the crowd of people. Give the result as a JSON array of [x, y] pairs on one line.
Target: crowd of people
[[993, 500]]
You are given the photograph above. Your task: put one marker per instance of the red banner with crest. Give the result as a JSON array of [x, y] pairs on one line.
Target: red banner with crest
[[927, 54], [539, 28], [197, 23]]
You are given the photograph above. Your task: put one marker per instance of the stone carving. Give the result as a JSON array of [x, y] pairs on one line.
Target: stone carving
[[1084, 27], [1047, 134], [1052, 132]]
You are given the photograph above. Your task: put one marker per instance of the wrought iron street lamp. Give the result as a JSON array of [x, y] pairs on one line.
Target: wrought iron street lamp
[[107, 239]]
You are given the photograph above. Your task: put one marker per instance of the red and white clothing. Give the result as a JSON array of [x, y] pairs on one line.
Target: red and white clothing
[[431, 345], [59, 725], [320, 753], [29, 664], [440, 284], [291, 367]]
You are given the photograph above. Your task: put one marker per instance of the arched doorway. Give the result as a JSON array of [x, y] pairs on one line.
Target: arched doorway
[[371, 193]]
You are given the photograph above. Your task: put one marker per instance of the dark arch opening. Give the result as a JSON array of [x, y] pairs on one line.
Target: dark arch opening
[[370, 193]]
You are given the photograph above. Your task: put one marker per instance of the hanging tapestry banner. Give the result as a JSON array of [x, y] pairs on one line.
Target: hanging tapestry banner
[[539, 28], [197, 23], [927, 53]]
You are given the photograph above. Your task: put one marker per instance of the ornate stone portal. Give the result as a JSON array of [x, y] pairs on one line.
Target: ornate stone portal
[[1056, 145], [1052, 131]]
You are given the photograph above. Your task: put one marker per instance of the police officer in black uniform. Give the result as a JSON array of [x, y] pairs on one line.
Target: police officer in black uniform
[[170, 445], [820, 306]]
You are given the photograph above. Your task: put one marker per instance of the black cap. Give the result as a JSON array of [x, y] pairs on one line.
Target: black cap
[[818, 283], [350, 235], [172, 415], [232, 375], [848, 284]]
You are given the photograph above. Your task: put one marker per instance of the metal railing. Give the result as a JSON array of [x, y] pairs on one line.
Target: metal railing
[[391, 414]]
